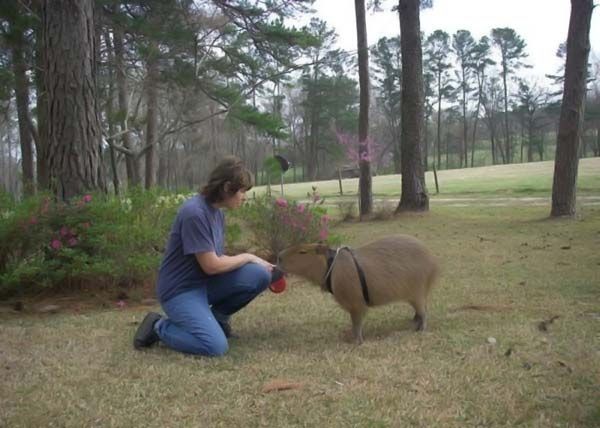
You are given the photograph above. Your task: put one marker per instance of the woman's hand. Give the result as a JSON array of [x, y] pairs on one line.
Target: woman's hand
[[255, 259]]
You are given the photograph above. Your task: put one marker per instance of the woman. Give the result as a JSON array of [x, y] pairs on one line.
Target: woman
[[199, 287]]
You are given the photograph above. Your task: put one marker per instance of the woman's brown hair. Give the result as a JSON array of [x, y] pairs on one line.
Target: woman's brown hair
[[226, 179]]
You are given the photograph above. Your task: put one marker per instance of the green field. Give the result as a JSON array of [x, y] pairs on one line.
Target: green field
[[513, 339], [527, 179]]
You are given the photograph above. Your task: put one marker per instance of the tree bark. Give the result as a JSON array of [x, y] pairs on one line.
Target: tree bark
[[132, 164], [151, 115], [364, 182], [110, 113], [464, 151], [22, 97], [73, 128], [508, 158], [572, 110], [312, 158], [530, 136], [439, 123], [414, 192], [480, 80], [41, 144]]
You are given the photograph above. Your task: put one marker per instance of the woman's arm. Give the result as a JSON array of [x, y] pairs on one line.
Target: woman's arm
[[212, 264]]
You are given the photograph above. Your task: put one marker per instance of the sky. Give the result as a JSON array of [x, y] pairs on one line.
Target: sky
[[543, 24]]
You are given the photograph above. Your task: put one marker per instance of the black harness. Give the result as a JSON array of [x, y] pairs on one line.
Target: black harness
[[331, 255]]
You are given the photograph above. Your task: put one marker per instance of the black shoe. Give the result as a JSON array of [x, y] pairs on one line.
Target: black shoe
[[226, 327], [145, 335], [223, 321]]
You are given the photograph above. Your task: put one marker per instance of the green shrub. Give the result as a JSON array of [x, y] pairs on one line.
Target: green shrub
[[93, 240], [278, 223]]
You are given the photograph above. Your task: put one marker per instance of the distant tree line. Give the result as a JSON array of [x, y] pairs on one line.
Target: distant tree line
[[110, 94]]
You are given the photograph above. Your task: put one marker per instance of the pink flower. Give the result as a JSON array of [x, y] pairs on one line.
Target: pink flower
[[87, 198], [55, 244], [325, 219], [33, 220], [64, 231], [323, 233], [72, 242], [301, 208], [280, 202], [121, 304]]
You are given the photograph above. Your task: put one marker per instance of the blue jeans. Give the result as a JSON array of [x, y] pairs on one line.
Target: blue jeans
[[192, 327]]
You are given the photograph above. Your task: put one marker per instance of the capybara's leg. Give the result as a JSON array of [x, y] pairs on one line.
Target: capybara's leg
[[420, 318], [357, 323]]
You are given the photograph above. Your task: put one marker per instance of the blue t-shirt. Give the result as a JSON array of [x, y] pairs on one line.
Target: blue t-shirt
[[198, 228]]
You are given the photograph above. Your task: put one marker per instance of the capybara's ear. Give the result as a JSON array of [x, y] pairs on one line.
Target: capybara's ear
[[321, 248]]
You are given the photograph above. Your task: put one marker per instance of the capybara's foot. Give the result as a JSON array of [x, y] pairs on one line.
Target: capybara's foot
[[348, 336], [420, 322]]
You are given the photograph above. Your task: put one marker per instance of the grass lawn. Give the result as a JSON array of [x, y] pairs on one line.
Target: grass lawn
[[517, 180], [507, 271]]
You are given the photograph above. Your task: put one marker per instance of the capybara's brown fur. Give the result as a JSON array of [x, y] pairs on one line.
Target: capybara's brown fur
[[398, 267]]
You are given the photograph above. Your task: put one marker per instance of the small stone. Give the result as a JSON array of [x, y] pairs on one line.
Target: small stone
[[491, 340]]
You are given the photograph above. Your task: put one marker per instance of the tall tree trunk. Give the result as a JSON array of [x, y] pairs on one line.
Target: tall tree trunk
[[151, 115], [41, 143], [464, 152], [572, 110], [447, 146], [132, 164], [425, 147], [311, 159], [73, 131], [110, 113], [163, 160], [522, 142], [476, 119], [364, 182], [9, 178], [439, 124], [475, 123], [22, 96], [508, 158], [530, 136], [414, 192]]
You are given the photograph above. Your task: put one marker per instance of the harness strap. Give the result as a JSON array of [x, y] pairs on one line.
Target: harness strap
[[331, 256]]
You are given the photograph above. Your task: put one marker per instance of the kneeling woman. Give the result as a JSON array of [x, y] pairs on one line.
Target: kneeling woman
[[199, 287]]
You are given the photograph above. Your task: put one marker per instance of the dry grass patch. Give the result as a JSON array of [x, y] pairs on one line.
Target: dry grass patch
[[504, 271]]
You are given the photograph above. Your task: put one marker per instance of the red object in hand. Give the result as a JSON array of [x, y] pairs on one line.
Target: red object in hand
[[277, 281]]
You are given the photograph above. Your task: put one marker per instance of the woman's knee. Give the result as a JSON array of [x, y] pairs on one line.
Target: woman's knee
[[215, 346], [218, 348], [257, 275]]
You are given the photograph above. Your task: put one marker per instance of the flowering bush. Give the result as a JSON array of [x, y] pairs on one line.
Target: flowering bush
[[279, 223], [94, 239]]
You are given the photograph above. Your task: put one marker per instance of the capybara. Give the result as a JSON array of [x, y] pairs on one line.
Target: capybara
[[394, 268]]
